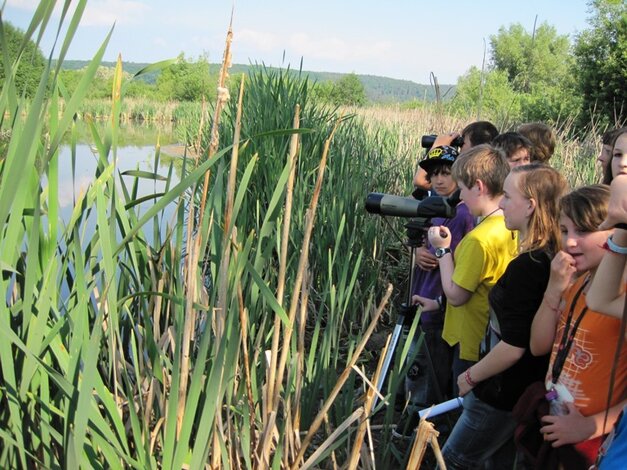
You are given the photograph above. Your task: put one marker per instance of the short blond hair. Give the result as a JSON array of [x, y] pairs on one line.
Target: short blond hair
[[484, 163]]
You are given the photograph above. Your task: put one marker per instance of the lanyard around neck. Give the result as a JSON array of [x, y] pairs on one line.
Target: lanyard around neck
[[568, 335]]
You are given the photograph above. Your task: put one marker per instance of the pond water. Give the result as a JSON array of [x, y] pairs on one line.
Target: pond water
[[137, 144], [136, 150]]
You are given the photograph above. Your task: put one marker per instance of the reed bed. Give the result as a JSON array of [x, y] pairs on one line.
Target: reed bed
[[139, 109], [233, 336], [575, 152]]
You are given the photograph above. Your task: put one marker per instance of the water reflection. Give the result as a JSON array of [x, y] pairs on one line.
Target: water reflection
[[136, 150], [131, 133]]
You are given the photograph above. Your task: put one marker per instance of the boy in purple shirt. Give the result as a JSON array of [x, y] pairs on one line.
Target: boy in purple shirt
[[420, 387]]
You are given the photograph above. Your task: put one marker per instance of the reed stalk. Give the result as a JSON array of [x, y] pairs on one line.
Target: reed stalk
[[285, 235], [195, 247], [302, 265], [364, 422]]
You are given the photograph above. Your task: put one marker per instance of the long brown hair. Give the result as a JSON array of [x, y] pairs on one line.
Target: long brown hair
[[545, 186]]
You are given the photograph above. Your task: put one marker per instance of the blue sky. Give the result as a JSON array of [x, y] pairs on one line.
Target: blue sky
[[399, 39]]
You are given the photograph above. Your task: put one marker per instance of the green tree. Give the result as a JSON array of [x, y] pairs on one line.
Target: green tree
[[349, 90], [538, 66], [322, 91], [141, 89], [70, 79], [601, 62], [492, 98], [530, 59], [186, 81], [31, 64]]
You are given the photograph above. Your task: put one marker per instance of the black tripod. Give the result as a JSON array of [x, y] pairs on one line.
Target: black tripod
[[416, 232]]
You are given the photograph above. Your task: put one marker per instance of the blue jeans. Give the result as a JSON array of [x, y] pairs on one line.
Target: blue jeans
[[482, 433]]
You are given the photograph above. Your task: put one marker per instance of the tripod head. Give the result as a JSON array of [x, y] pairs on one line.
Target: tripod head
[[417, 231]]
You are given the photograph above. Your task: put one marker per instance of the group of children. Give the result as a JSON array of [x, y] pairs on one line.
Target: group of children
[[524, 286]]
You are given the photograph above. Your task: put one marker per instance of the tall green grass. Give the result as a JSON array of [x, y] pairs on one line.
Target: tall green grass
[[575, 151], [122, 348]]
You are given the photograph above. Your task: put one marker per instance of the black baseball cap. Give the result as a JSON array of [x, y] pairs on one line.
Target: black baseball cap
[[440, 154]]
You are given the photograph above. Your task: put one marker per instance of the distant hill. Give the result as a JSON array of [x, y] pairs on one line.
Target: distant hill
[[378, 89]]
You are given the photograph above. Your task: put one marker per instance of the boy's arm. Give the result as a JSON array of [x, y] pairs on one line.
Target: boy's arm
[[420, 179], [455, 295], [441, 237]]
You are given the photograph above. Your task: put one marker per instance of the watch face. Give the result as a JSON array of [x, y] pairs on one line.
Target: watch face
[[441, 252]]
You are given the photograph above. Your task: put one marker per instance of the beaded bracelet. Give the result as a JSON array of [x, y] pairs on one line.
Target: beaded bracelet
[[614, 248], [469, 380]]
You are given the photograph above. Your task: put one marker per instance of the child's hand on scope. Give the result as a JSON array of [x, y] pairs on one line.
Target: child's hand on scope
[[440, 236]]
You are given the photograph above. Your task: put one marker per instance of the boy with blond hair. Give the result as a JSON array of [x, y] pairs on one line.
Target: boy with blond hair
[[480, 258]]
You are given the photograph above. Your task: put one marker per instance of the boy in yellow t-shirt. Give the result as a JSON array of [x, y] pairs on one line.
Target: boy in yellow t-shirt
[[480, 258]]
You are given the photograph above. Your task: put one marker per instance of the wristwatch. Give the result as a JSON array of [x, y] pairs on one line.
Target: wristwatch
[[439, 252]]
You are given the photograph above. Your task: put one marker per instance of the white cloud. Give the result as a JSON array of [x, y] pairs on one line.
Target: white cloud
[[318, 48], [97, 12], [106, 12], [260, 40], [334, 48]]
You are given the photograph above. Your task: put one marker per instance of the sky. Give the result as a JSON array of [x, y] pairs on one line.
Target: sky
[[404, 39]]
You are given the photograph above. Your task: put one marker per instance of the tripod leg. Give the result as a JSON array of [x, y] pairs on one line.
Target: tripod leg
[[398, 328], [431, 367]]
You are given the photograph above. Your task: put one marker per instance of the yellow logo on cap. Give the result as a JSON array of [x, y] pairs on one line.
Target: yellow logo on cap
[[436, 153]]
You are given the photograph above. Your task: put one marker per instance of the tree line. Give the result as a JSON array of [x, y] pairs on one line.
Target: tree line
[[531, 75], [539, 75]]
